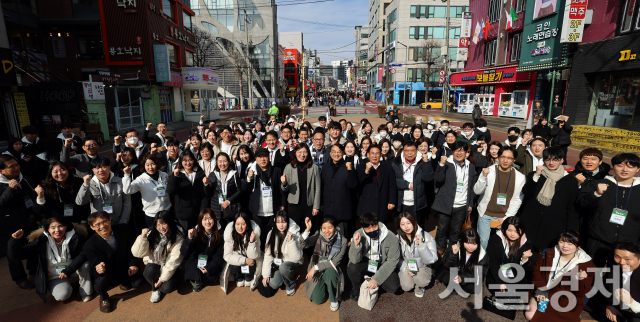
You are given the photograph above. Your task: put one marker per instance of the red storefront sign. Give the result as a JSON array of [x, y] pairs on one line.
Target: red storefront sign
[[490, 76]]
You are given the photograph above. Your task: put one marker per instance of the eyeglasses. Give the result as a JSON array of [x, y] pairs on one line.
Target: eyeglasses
[[506, 158], [102, 223], [553, 160], [90, 146]]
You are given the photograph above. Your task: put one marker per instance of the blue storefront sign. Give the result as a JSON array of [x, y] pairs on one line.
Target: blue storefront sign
[[161, 60]]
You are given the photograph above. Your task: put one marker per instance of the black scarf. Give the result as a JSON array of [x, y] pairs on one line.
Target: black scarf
[[154, 176], [264, 175], [349, 158]]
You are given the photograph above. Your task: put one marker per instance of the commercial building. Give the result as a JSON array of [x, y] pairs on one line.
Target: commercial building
[[361, 58], [292, 65]]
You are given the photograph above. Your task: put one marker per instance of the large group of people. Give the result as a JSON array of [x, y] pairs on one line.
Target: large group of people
[[252, 203]]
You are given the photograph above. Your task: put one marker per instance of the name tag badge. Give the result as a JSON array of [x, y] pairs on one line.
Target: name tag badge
[[59, 268], [507, 271], [68, 210], [107, 207], [221, 199], [28, 202], [277, 261], [202, 261], [373, 267], [412, 264], [618, 216], [266, 192], [244, 269], [161, 191], [502, 199], [323, 259], [460, 186]]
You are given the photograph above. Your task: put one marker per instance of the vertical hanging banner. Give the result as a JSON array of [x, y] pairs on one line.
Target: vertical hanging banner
[[161, 59], [21, 110], [465, 26], [574, 17]]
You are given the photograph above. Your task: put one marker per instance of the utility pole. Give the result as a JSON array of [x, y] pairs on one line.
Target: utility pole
[[249, 67], [386, 62], [445, 85], [304, 77]]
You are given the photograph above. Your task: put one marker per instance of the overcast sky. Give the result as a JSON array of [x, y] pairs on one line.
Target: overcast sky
[[347, 13]]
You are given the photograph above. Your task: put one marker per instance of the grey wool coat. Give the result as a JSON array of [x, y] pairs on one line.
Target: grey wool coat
[[313, 185]]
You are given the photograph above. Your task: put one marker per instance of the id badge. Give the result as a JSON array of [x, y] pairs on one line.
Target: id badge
[[28, 202], [323, 259], [502, 199], [244, 269], [202, 261], [221, 199], [59, 268], [68, 210], [373, 267], [507, 271], [412, 264], [108, 207], [277, 261], [618, 216], [161, 191], [266, 192], [459, 186]]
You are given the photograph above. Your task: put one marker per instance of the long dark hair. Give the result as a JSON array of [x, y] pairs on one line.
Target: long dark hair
[[490, 159], [519, 226], [294, 159], [201, 235], [168, 218], [241, 239], [469, 236], [414, 223], [275, 232], [248, 151], [50, 184], [232, 166]]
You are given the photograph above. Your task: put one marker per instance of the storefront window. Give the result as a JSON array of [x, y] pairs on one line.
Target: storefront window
[[192, 98], [189, 57], [173, 58], [617, 101]]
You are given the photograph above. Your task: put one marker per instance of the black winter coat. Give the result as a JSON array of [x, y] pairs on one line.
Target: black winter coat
[[486, 134], [15, 214], [497, 257], [561, 135], [192, 248], [543, 131], [545, 223], [38, 244], [450, 260], [422, 180], [375, 196], [446, 180], [338, 186], [255, 193], [118, 261], [189, 198], [438, 138], [214, 189], [55, 206]]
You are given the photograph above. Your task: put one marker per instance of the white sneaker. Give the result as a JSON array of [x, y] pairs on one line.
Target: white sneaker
[[248, 283], [240, 283], [155, 296], [334, 306], [291, 292], [86, 298], [419, 292]]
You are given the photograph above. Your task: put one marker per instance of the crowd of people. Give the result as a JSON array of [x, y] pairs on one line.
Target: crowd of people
[[251, 203]]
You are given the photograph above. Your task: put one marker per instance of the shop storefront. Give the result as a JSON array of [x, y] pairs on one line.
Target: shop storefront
[[605, 83], [200, 88], [500, 91]]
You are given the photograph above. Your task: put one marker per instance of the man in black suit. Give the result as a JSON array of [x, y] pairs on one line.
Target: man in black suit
[[278, 155], [626, 256], [109, 255], [160, 139], [377, 186]]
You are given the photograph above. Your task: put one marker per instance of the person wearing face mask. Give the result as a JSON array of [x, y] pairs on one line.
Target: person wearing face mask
[[467, 135], [223, 189], [465, 255], [58, 142], [626, 255], [455, 177], [481, 129], [335, 131], [382, 133], [282, 254], [152, 185], [614, 207], [378, 192], [508, 246], [323, 273], [104, 191], [186, 185], [549, 204], [57, 195], [397, 140], [58, 246], [202, 251], [418, 251], [81, 162], [374, 252], [513, 138], [159, 248], [429, 131], [530, 155], [439, 136], [132, 141], [414, 176]]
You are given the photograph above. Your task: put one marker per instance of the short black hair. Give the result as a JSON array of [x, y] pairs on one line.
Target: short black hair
[[553, 152], [30, 129], [173, 142], [286, 127], [342, 120], [408, 143], [515, 129], [319, 130], [322, 118], [572, 237], [630, 158], [546, 144], [4, 158], [272, 133], [98, 214], [629, 246], [91, 138], [468, 124], [451, 132], [444, 121], [101, 162], [335, 125], [481, 123], [165, 124], [66, 125], [368, 219], [303, 129], [226, 127], [508, 148], [132, 130]]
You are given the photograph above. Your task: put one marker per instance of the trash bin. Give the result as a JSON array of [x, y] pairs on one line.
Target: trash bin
[[382, 111]]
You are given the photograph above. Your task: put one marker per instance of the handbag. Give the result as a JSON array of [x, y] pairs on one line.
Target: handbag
[[368, 296], [489, 304], [467, 223]]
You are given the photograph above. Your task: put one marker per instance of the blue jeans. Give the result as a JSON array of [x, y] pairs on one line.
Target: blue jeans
[[484, 230], [286, 273]]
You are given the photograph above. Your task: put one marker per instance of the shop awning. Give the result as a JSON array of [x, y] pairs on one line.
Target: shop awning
[[494, 75]]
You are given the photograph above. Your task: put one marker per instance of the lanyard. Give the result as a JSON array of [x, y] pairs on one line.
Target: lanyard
[[223, 185], [509, 181], [504, 253], [379, 249], [555, 271], [206, 252], [464, 173], [628, 198]]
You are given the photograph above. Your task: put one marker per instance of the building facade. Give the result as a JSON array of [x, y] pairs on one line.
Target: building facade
[[359, 78]]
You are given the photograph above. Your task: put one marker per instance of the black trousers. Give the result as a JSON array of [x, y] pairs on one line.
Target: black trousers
[[357, 272], [237, 273], [446, 278], [600, 252], [104, 281], [265, 224], [152, 274], [455, 220]]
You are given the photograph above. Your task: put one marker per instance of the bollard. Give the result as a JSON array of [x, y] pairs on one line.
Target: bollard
[[345, 110]]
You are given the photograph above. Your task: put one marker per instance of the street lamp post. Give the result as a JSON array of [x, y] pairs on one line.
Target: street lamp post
[[406, 61], [552, 78]]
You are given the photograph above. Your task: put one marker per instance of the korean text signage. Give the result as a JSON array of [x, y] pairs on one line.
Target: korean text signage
[[21, 109], [574, 18], [8, 75], [93, 91], [465, 31], [488, 76], [199, 78], [161, 59], [541, 47]]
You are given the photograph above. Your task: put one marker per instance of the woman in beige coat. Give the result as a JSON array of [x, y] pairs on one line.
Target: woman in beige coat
[[160, 252], [241, 252]]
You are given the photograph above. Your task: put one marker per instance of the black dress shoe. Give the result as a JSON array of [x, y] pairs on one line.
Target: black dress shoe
[[355, 294], [26, 285], [105, 306], [124, 288]]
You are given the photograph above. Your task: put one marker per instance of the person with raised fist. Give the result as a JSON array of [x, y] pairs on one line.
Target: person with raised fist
[[159, 139], [242, 253], [228, 143], [186, 185], [81, 162], [418, 251], [57, 195], [202, 251], [339, 181], [282, 254], [223, 188], [58, 142], [378, 186], [152, 185], [301, 182], [131, 139], [615, 208]]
